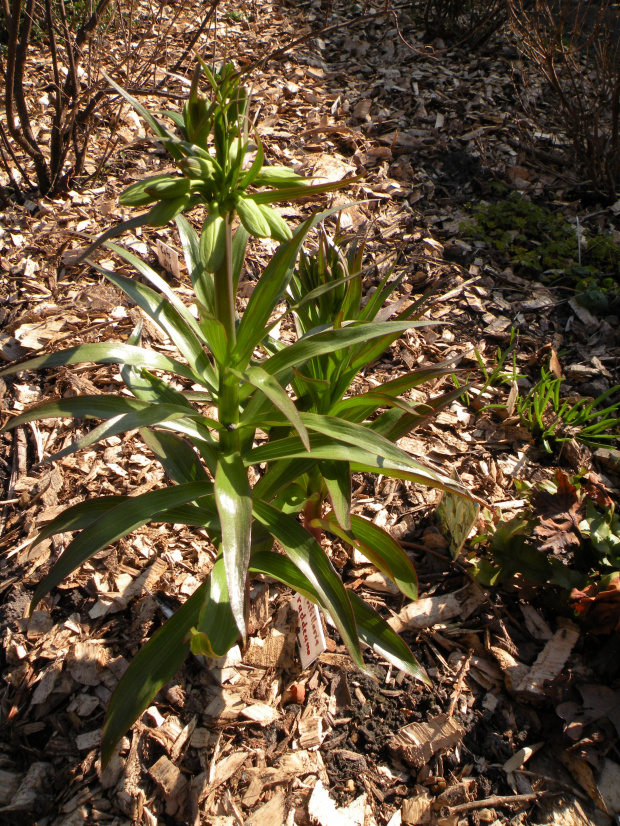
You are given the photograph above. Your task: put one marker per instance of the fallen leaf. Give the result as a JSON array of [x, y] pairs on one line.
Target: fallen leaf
[[598, 609], [558, 516]]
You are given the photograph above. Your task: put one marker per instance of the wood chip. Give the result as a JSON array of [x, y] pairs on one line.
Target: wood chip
[[417, 742], [168, 777], [550, 661], [514, 672], [225, 769], [311, 732], [521, 757], [200, 739], [323, 810], [417, 809], [277, 650], [270, 813], [9, 784], [36, 781], [260, 713], [88, 740], [83, 661]]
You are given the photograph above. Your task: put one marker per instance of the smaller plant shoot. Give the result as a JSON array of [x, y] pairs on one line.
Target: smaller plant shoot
[[553, 420]]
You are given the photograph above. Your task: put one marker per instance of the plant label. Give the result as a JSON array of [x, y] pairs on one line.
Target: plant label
[[310, 636], [168, 258]]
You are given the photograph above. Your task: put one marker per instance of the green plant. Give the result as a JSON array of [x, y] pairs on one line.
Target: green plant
[[495, 376], [303, 445], [603, 531], [568, 537], [538, 241], [511, 551], [552, 420]]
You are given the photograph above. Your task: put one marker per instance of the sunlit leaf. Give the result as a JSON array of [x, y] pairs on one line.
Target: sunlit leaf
[[234, 504]]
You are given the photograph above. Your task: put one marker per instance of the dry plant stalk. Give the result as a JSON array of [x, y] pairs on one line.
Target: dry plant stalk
[[576, 45], [139, 42]]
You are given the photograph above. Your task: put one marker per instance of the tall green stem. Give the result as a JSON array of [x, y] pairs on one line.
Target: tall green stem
[[225, 314]]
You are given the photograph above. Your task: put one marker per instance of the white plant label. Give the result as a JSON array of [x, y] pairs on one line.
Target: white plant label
[[310, 636], [168, 258]]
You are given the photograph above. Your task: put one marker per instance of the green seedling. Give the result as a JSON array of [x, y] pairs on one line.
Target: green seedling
[[495, 376], [553, 420]]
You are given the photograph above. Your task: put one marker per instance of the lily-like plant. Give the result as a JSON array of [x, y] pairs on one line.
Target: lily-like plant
[[282, 411]]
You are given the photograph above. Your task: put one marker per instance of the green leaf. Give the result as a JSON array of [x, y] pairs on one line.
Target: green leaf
[[393, 389], [279, 177], [136, 195], [177, 119], [202, 281], [381, 549], [291, 193], [122, 414], [279, 475], [384, 641], [281, 568], [163, 212], [157, 127], [213, 242], [423, 413], [269, 290], [216, 336], [322, 447], [181, 328], [240, 242], [158, 282], [356, 435], [156, 414], [331, 341], [149, 388], [113, 232], [256, 167], [278, 228], [199, 436], [337, 478], [177, 458], [79, 516], [260, 379], [216, 620], [153, 666], [252, 218], [98, 407], [310, 558], [114, 524], [173, 187], [234, 504], [107, 353]]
